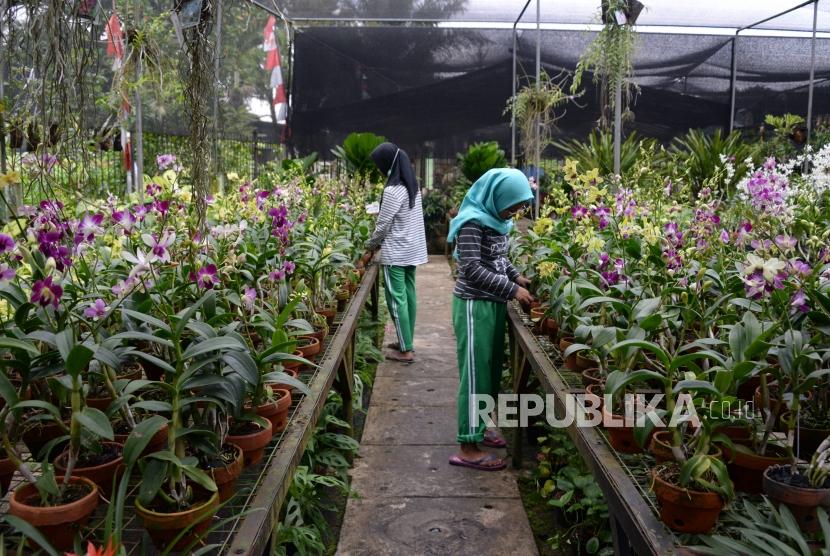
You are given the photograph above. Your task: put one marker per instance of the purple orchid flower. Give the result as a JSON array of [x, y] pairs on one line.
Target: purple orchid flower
[[45, 292], [6, 243], [96, 310]]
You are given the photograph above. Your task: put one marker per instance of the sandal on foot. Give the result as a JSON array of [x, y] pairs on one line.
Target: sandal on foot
[[400, 360], [484, 463], [492, 440], [396, 346]]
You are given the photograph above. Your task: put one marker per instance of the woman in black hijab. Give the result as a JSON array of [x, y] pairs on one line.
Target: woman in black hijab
[[399, 234]]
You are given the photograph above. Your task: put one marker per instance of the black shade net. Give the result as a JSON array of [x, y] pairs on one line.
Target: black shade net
[[436, 90]]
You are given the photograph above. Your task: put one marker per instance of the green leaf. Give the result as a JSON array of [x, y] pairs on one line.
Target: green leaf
[[277, 377], [142, 336], [200, 477], [646, 308], [164, 365], [592, 546], [64, 340], [618, 380], [77, 359], [220, 343], [95, 421], [242, 363], [18, 345], [696, 386], [156, 406], [147, 319], [153, 476], [140, 437], [642, 344], [7, 390], [23, 527], [185, 315]]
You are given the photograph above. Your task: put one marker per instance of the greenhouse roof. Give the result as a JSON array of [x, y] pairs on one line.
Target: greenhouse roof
[[730, 14]]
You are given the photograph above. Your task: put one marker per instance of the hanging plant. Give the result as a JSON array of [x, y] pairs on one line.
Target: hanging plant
[[610, 58], [532, 104]]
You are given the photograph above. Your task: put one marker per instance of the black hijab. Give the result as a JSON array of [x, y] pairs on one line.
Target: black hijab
[[395, 164]]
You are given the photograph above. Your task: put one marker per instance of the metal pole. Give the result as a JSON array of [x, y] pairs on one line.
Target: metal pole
[[217, 162], [2, 90], [617, 125], [732, 82], [812, 73], [138, 159], [512, 109], [515, 88], [538, 87]]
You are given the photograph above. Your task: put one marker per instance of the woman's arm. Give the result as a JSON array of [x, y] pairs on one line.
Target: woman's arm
[[393, 198], [477, 275]]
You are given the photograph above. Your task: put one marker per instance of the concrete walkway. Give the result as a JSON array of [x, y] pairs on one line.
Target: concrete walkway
[[410, 500]]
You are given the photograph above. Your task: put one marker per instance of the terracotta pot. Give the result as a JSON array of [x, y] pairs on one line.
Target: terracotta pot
[[157, 443], [583, 363], [809, 439], [621, 438], [225, 477], [746, 390], [537, 315], [102, 475], [57, 523], [164, 527], [7, 470], [253, 445], [40, 435], [802, 502], [551, 328], [776, 406], [738, 434], [309, 346], [596, 393], [131, 371], [329, 313], [660, 447], [276, 412], [293, 365], [684, 510], [747, 470], [320, 334], [99, 403], [569, 361], [591, 376]]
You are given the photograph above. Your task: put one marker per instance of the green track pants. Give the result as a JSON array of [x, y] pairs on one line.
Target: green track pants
[[479, 334], [399, 285]]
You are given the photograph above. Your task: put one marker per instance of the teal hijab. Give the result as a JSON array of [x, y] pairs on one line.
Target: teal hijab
[[496, 190]]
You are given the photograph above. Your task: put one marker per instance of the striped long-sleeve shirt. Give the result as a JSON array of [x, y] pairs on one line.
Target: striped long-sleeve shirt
[[399, 230], [483, 269]]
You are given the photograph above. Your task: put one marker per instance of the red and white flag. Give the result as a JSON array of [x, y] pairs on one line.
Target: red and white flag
[[272, 64], [115, 48]]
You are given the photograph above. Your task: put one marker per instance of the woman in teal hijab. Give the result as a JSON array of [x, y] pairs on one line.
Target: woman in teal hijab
[[486, 281], [497, 191]]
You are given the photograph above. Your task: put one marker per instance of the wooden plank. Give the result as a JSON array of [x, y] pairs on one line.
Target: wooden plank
[[642, 529], [254, 531]]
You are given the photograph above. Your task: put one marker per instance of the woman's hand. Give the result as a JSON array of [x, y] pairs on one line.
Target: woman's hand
[[523, 282], [523, 296]]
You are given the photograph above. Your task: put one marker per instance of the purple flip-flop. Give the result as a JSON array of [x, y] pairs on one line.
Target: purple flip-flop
[[480, 464], [493, 441]]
